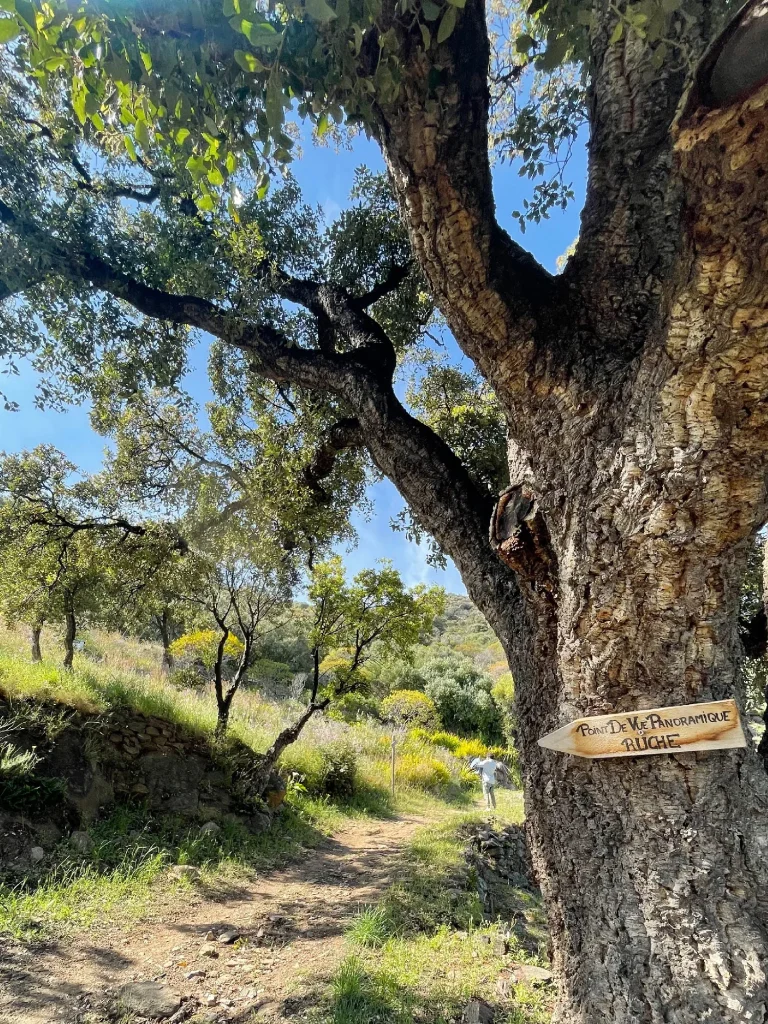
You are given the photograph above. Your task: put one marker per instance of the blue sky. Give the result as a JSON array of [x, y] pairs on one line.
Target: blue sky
[[325, 176]]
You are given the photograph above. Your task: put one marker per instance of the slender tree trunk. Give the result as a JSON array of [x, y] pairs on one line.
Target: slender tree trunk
[[288, 736], [35, 632], [164, 626], [70, 632], [222, 718]]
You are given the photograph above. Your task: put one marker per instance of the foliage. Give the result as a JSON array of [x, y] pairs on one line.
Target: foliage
[[338, 771], [410, 707], [374, 614], [415, 771], [462, 695], [21, 787], [503, 693], [202, 645]]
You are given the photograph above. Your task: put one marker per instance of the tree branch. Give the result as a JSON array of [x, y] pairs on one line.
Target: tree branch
[[340, 437], [393, 280]]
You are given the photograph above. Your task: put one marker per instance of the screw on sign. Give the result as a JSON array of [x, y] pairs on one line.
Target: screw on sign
[[711, 726]]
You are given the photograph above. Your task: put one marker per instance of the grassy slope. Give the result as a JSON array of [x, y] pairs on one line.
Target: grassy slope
[[133, 848]]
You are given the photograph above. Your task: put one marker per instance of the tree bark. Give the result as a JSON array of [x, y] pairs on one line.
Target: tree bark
[[35, 632], [70, 632], [164, 626], [287, 736]]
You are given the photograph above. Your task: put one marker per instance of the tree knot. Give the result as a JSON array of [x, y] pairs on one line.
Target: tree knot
[[520, 537]]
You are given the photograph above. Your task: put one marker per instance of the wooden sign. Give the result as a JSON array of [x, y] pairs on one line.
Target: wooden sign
[[712, 726]]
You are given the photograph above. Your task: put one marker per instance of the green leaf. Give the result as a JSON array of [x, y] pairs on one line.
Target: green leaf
[[320, 11], [215, 176], [524, 43], [206, 203], [447, 25], [196, 166], [458, 3], [323, 125], [617, 33], [181, 135], [431, 10], [554, 55], [274, 102], [9, 29], [265, 36], [8, 5], [142, 135], [231, 162], [130, 148], [425, 36], [248, 61], [26, 12], [78, 99]]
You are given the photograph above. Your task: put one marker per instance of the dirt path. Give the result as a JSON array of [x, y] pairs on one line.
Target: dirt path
[[293, 921]]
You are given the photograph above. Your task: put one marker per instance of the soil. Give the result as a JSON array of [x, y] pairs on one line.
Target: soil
[[291, 925]]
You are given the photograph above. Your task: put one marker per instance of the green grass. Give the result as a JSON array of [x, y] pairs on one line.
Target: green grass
[[423, 951], [128, 868]]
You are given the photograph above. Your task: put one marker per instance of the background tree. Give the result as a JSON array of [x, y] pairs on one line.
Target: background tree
[[632, 386], [372, 615]]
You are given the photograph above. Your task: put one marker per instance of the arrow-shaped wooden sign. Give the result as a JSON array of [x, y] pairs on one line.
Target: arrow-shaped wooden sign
[[712, 726]]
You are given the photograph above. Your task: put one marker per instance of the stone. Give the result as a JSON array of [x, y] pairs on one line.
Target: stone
[[226, 938], [191, 975], [501, 945], [140, 789], [210, 935], [209, 828], [210, 999], [36, 854], [477, 1011], [148, 999], [530, 975], [188, 871], [209, 949], [174, 782], [81, 842], [525, 974]]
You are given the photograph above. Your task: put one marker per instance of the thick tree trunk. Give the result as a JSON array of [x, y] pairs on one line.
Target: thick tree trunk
[[35, 633], [654, 869], [70, 632]]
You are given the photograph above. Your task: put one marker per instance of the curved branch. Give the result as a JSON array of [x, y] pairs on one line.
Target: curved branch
[[392, 281], [340, 437]]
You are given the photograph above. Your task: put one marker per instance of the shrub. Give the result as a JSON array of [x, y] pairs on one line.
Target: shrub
[[187, 677], [462, 696], [467, 778], [416, 772], [354, 706], [203, 644], [338, 771], [330, 770], [409, 707], [445, 739], [470, 749], [275, 671], [20, 788]]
